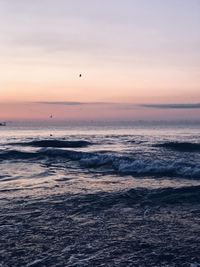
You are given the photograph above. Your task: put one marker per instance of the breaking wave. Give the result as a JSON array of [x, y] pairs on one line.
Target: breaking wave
[[115, 163]]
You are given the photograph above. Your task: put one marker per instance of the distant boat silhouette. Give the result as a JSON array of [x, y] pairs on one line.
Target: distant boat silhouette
[[2, 123]]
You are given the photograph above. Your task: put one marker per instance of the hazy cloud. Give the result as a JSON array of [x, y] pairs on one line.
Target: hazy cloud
[[124, 105], [73, 103], [67, 103], [172, 106]]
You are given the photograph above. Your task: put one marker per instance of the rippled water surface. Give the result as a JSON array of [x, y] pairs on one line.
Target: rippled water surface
[[96, 192]]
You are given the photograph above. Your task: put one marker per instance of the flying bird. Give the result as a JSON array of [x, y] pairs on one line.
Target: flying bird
[[80, 75]]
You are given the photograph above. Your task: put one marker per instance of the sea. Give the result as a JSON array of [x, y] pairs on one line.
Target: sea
[[86, 194]]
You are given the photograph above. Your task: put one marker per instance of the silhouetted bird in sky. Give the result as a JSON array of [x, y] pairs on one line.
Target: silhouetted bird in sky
[[80, 75], [51, 116]]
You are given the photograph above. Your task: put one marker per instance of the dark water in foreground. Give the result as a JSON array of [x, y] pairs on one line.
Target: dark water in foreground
[[100, 196]]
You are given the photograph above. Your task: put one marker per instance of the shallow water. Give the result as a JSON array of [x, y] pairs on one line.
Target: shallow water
[[85, 190]]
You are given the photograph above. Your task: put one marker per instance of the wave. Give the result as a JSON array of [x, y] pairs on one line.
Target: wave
[[181, 146], [109, 162], [55, 143], [14, 154], [41, 154]]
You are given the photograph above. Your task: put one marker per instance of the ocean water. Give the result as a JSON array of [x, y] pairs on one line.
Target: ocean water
[[63, 185]]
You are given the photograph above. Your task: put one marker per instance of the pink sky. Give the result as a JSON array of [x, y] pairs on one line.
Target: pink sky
[[129, 53]]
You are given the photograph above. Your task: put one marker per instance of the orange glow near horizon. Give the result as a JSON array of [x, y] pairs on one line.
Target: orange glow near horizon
[[114, 84], [92, 111]]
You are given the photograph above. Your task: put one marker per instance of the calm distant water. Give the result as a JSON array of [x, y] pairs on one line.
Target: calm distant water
[[51, 159]]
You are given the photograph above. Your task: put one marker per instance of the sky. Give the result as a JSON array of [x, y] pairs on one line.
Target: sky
[[137, 59]]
